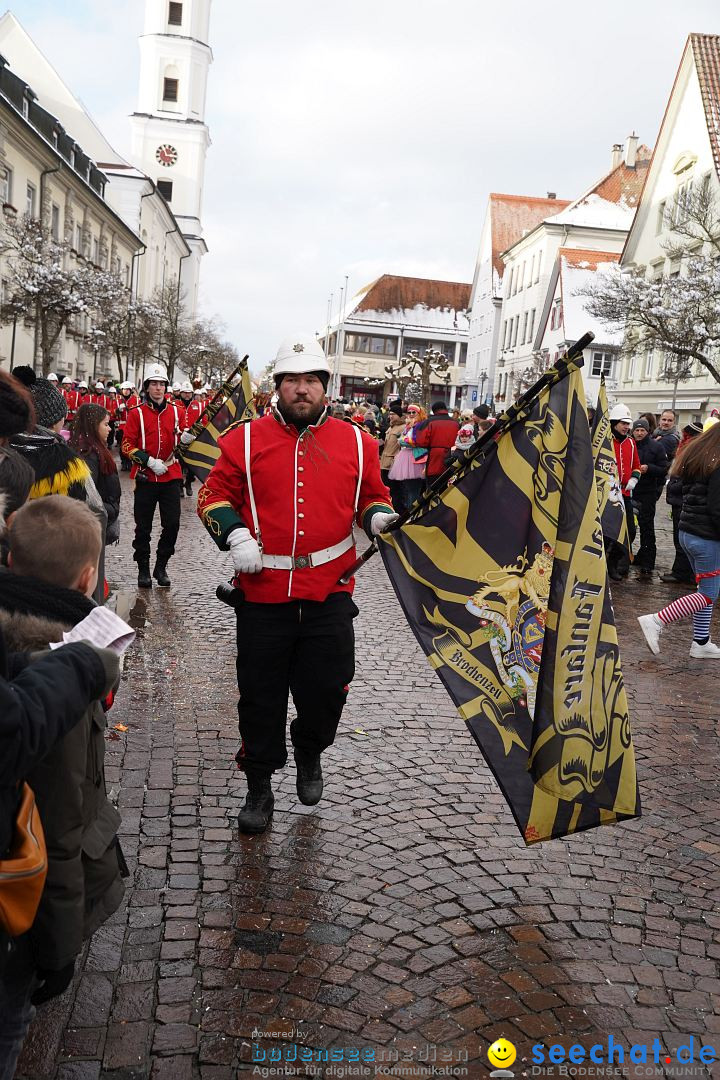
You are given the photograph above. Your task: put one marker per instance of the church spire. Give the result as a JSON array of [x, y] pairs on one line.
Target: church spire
[[170, 138]]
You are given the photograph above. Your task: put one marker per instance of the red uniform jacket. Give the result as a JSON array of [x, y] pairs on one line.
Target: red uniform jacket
[[193, 412], [73, 400], [123, 405], [150, 432], [305, 487], [627, 459], [438, 434]]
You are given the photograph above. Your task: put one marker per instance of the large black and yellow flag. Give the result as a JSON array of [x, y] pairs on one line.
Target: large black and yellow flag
[[610, 500], [503, 580], [237, 404]]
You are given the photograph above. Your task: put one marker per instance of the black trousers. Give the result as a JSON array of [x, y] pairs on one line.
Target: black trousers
[[618, 557], [147, 497], [681, 567], [647, 552], [305, 648]]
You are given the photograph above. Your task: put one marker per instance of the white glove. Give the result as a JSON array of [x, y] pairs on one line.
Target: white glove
[[632, 484], [380, 522], [186, 438], [158, 467], [245, 551]]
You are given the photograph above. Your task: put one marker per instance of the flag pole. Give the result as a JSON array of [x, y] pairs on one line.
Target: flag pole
[[211, 409], [554, 375]]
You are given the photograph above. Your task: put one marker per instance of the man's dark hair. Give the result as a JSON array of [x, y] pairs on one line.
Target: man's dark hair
[[17, 476], [481, 411], [438, 406]]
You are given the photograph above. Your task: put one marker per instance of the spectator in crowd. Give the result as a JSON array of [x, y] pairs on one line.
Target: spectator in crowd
[[437, 435], [681, 571], [464, 440], [54, 548], [407, 471], [391, 449], [698, 468], [89, 437], [667, 434], [17, 412], [653, 468]]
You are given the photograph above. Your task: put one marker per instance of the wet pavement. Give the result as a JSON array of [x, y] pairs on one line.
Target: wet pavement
[[402, 920]]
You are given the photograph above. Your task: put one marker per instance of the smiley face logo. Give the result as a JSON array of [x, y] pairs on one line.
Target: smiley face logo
[[502, 1054]]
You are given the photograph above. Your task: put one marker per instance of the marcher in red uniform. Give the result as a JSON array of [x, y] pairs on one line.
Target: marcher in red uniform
[[282, 498], [438, 434], [152, 432], [185, 400], [72, 399], [127, 399], [628, 464]]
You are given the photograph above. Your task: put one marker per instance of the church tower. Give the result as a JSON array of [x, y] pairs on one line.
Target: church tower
[[170, 138]]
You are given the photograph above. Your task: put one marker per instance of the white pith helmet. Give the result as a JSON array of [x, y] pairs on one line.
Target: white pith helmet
[[111, 390], [82, 385], [127, 386], [52, 377], [99, 385], [155, 372], [620, 412], [67, 381], [186, 387], [176, 388], [300, 355]]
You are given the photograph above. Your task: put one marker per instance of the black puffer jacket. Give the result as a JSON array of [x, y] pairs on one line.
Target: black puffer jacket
[[651, 482], [700, 513]]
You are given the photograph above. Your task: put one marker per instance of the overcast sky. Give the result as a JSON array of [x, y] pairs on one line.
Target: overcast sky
[[364, 139]]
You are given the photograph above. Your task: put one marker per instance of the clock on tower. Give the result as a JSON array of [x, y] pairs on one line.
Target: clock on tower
[[166, 154]]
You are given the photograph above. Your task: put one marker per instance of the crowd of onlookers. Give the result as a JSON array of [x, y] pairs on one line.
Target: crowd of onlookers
[[61, 866]]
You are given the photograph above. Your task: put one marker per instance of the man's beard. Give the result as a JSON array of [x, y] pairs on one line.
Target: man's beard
[[300, 417]]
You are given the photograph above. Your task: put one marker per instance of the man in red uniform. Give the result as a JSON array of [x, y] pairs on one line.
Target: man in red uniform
[[629, 472], [72, 399], [152, 431], [282, 498], [127, 399]]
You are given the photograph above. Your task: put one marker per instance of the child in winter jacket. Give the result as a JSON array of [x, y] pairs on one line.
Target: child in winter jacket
[[54, 547]]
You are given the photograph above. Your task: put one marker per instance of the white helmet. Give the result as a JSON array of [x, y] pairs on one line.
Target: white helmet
[[620, 412], [52, 377], [299, 355], [82, 385], [111, 389], [176, 388], [199, 391], [127, 386], [186, 387], [67, 381], [155, 372], [99, 385], [207, 387]]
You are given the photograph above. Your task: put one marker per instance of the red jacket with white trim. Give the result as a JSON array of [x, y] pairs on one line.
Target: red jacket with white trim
[[151, 432], [124, 404], [193, 412], [305, 488], [627, 459]]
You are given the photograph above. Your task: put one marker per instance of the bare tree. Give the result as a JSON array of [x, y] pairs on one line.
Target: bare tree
[[432, 367], [678, 315]]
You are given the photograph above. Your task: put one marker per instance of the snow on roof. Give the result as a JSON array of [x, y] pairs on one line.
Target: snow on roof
[[420, 303], [29, 63], [592, 212], [578, 269], [512, 216]]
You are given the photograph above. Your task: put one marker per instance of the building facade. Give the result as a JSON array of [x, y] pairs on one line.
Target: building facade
[[686, 156], [598, 221], [390, 318], [507, 219]]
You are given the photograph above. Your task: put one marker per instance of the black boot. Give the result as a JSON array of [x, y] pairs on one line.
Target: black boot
[[309, 779], [259, 802], [144, 579], [160, 574], [188, 488]]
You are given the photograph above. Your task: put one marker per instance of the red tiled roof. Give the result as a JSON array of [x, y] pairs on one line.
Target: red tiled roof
[[512, 216], [706, 51], [625, 184], [587, 260], [393, 293]]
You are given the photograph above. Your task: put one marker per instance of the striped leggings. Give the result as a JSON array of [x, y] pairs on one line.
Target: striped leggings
[[704, 556]]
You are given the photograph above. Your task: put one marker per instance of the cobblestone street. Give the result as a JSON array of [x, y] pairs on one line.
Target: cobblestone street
[[404, 913]]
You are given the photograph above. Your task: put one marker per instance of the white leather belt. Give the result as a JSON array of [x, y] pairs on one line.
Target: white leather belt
[[315, 558]]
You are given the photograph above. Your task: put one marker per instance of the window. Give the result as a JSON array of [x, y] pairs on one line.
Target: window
[[381, 346], [516, 324], [165, 189], [6, 185], [522, 277], [516, 275], [532, 271], [649, 362], [174, 14], [532, 324], [510, 280], [602, 364], [630, 373], [660, 222], [170, 89], [30, 200], [504, 334], [462, 359], [556, 315], [55, 221], [96, 251], [78, 238], [525, 326], [537, 268]]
